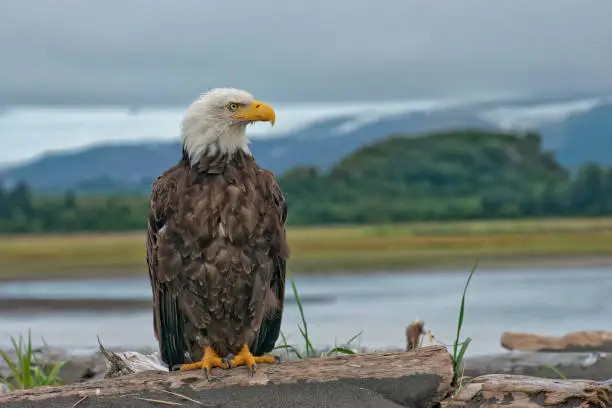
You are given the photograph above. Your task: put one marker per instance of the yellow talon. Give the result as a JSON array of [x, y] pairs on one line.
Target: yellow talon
[[244, 357], [210, 360]]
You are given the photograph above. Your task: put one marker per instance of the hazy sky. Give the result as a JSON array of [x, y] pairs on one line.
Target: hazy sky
[[167, 52]]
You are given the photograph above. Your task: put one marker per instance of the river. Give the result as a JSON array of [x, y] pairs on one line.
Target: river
[[548, 301]]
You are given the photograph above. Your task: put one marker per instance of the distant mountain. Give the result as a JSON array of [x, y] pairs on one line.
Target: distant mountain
[[575, 139], [319, 145], [586, 137]]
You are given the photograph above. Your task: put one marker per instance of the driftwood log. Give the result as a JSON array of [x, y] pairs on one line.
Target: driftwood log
[[419, 378], [572, 342], [510, 391]]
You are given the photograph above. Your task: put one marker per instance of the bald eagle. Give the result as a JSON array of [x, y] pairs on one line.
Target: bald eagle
[[216, 242]]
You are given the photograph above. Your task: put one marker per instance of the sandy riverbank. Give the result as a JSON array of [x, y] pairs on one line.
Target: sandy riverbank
[[417, 246], [500, 263]]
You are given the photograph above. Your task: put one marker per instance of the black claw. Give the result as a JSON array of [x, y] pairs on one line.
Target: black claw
[[227, 361], [176, 367], [278, 359], [205, 371]]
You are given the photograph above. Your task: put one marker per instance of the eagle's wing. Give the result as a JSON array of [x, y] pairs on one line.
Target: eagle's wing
[[179, 313], [168, 319], [279, 251]]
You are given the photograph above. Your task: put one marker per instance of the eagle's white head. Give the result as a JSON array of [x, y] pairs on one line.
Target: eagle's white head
[[216, 122]]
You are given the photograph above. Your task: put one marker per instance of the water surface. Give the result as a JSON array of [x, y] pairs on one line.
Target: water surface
[[548, 301]]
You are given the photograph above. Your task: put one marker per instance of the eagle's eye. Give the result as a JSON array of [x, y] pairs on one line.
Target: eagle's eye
[[233, 106]]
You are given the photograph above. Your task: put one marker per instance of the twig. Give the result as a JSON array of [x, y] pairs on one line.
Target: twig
[[79, 401], [176, 394], [158, 401]]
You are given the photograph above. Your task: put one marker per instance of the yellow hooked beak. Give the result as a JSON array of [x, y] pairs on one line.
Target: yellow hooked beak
[[256, 112]]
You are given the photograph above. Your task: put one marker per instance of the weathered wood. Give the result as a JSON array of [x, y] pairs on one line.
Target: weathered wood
[[577, 341], [418, 378], [130, 362], [509, 391]]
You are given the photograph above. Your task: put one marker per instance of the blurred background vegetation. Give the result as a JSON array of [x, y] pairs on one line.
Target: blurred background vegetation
[[454, 175]]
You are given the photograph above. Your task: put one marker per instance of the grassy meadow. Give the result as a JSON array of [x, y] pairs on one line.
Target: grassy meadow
[[330, 249]]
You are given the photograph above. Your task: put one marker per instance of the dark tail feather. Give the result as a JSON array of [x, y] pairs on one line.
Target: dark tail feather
[[271, 325], [171, 338], [268, 334]]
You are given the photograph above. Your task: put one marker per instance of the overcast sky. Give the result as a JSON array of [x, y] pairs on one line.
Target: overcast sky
[[167, 52]]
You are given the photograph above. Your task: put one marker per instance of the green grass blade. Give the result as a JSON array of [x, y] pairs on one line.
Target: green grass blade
[[462, 351], [462, 310], [303, 328], [355, 337], [10, 386], [557, 371], [459, 353], [310, 351], [28, 371], [285, 345], [8, 361], [297, 353], [28, 362], [16, 347], [341, 349], [284, 340], [290, 348], [53, 377]]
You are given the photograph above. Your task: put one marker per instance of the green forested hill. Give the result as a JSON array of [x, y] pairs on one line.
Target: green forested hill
[[448, 175], [462, 174]]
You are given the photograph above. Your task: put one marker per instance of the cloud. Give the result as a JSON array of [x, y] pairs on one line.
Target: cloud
[[167, 52]]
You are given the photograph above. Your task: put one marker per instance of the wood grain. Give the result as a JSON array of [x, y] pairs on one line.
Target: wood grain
[[509, 391], [422, 376]]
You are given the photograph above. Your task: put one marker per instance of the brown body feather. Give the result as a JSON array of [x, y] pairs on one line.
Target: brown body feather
[[216, 252]]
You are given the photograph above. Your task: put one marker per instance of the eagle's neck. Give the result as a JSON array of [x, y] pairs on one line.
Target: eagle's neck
[[213, 141]]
